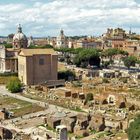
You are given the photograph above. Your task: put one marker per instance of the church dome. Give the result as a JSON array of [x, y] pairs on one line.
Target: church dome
[[61, 36], [19, 35], [20, 40]]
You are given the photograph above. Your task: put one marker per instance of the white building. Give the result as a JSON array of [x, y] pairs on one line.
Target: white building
[[61, 40]]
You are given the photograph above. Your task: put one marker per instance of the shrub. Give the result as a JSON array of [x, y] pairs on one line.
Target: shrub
[[14, 85], [8, 45], [89, 97]]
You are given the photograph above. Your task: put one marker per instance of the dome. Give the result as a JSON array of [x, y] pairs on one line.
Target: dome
[[19, 35], [19, 39], [61, 36]]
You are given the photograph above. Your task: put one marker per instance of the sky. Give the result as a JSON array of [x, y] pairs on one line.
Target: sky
[[42, 18]]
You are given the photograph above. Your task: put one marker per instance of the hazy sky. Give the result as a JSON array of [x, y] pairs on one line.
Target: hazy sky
[[76, 17]]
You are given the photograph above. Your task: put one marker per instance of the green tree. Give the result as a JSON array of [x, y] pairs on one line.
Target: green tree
[[87, 56], [105, 64], [66, 53], [130, 61], [138, 62], [14, 85], [67, 75], [123, 53], [134, 129], [111, 52], [8, 45], [41, 47]]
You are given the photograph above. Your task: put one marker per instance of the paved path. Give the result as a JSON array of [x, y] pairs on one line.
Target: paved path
[[49, 109], [4, 91]]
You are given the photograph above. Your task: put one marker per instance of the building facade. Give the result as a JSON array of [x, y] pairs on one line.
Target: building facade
[[8, 60], [37, 66], [8, 56]]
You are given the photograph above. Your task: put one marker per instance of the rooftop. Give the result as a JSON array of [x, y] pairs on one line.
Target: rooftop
[[30, 52]]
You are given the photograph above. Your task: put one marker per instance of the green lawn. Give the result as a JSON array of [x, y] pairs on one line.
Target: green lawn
[[19, 107]]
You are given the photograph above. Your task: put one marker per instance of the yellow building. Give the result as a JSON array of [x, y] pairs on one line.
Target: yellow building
[[37, 66]]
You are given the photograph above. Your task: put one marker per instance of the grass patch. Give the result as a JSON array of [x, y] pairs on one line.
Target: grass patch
[[19, 107], [26, 110], [93, 131], [4, 79], [10, 101]]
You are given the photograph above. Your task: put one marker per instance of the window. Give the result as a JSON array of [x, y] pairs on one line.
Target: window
[[41, 61]]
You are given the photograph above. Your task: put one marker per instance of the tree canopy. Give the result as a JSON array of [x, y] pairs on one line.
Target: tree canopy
[[40, 47], [67, 75], [87, 56], [8, 45], [134, 129], [113, 51], [130, 61]]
